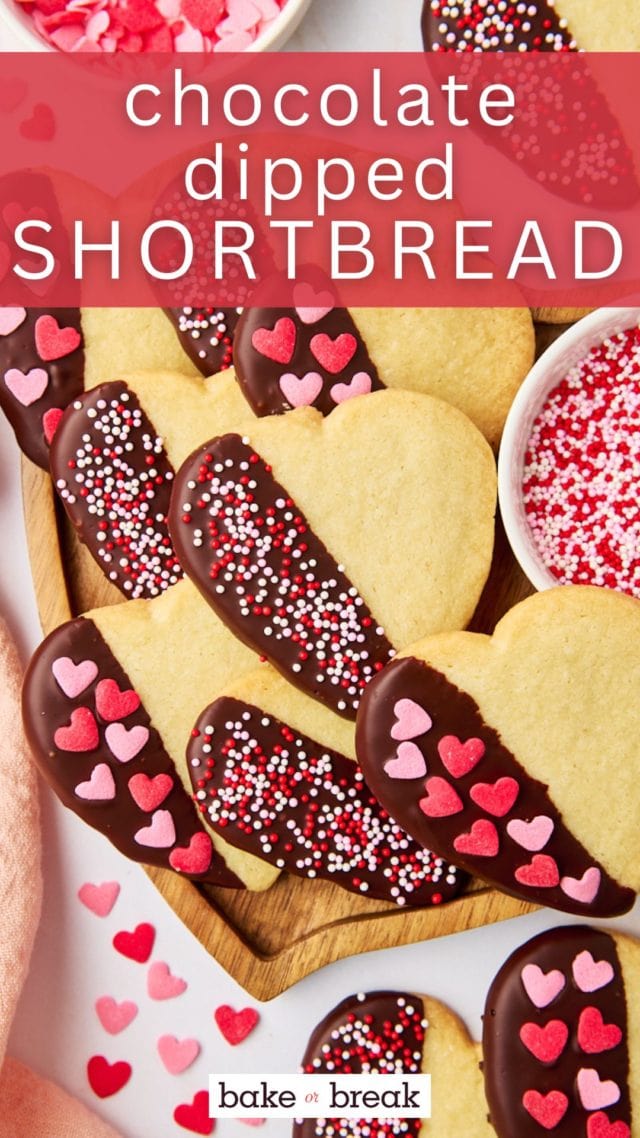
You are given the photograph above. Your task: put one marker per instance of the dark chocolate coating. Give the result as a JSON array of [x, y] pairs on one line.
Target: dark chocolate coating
[[541, 29], [46, 708], [510, 1069], [365, 1027], [308, 809], [206, 335], [304, 615], [259, 377], [66, 379], [455, 713], [114, 479]]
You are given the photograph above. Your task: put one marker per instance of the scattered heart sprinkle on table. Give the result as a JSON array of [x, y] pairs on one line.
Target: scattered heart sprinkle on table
[[236, 1026], [113, 1016], [194, 1116], [177, 1054], [136, 945], [99, 899], [162, 984], [106, 1079]]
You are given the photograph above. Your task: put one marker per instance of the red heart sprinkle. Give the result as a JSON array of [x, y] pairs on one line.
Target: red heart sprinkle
[[50, 422], [496, 798], [194, 1116], [442, 800], [540, 873], [194, 858], [148, 792], [106, 1079], [459, 758], [598, 1126], [80, 734], [277, 343], [594, 1035], [41, 127], [139, 15], [112, 703], [334, 355], [235, 1026], [481, 841], [546, 1110], [545, 1043], [203, 14], [54, 342], [136, 945]]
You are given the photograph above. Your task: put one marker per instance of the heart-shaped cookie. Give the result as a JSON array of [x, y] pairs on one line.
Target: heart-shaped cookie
[[544, 710], [113, 459], [273, 772], [109, 719], [277, 526], [563, 1066], [351, 352], [399, 1033]]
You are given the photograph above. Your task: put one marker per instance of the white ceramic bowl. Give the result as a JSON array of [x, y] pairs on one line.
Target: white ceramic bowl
[[23, 32], [550, 369]]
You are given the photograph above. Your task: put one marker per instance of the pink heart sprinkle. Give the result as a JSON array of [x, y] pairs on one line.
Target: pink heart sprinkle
[[160, 835], [115, 1017], [126, 742], [162, 984], [101, 786], [411, 720], [73, 678], [591, 975], [97, 25], [10, 319], [359, 385], [27, 387], [301, 392], [596, 1093], [542, 987], [177, 1054], [408, 763], [532, 836], [99, 899], [583, 889]]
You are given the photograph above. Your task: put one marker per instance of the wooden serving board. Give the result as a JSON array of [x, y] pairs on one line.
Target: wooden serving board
[[268, 941]]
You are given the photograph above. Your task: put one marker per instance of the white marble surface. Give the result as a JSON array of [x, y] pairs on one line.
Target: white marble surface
[[56, 1029]]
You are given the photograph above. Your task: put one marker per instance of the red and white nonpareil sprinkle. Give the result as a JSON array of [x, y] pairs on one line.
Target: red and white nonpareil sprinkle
[[152, 25], [582, 470]]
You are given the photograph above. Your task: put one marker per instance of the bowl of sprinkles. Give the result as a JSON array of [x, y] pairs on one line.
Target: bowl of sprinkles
[[569, 467], [153, 25]]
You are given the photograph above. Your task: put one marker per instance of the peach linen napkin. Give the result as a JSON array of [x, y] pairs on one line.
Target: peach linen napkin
[[30, 1106]]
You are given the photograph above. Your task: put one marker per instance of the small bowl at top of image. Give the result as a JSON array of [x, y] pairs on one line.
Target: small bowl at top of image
[[150, 25], [569, 464]]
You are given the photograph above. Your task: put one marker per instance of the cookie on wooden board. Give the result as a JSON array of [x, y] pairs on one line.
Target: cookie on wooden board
[[113, 461], [519, 756], [109, 702], [327, 543], [273, 772]]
